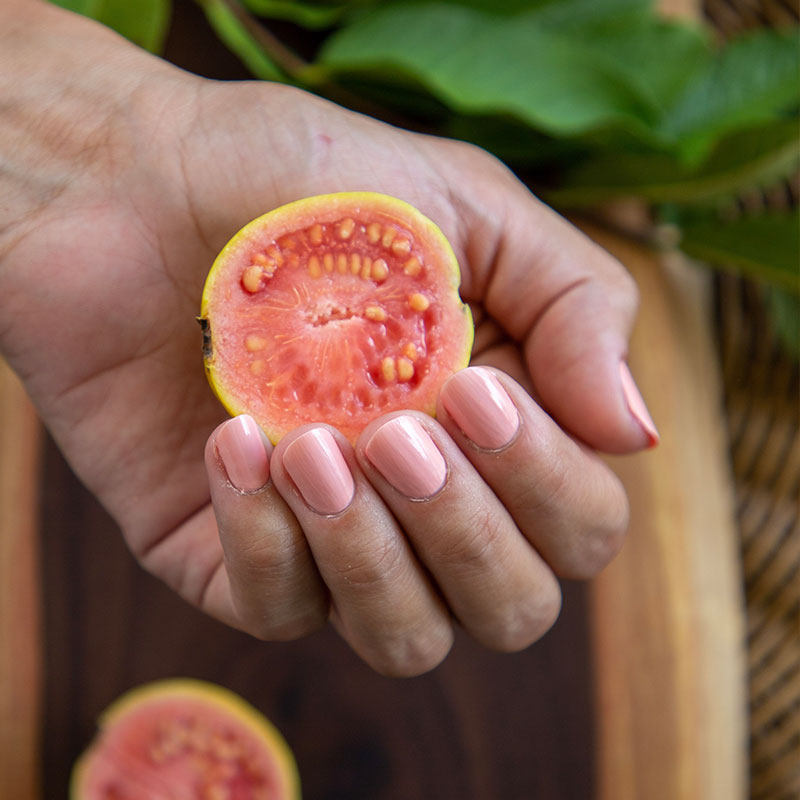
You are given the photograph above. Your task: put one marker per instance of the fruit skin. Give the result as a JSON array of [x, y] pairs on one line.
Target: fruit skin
[[219, 702], [302, 215]]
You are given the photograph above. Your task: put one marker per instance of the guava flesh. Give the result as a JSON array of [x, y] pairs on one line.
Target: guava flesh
[[185, 740], [336, 308]]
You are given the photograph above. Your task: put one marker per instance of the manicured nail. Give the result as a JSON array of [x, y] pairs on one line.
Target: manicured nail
[[243, 454], [636, 405], [480, 406], [406, 456], [319, 471]]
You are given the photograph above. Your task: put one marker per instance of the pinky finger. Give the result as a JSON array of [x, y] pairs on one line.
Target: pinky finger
[[275, 587]]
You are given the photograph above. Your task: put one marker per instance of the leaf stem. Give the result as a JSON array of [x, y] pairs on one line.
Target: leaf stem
[[285, 59], [301, 73]]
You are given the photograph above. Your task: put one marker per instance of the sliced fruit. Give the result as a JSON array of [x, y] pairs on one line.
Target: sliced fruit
[[336, 308], [182, 739]]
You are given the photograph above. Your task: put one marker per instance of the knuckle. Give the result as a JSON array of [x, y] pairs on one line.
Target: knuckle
[[600, 544], [628, 287], [602, 548], [626, 298], [377, 565], [262, 561], [478, 540], [288, 628], [584, 532], [610, 270], [412, 655], [546, 493], [470, 150], [281, 613], [527, 621], [266, 553]]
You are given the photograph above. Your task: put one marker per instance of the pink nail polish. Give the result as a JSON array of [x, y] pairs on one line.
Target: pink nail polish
[[243, 454], [636, 405], [480, 406], [403, 452], [316, 465]]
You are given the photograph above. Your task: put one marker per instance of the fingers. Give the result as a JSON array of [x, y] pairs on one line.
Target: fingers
[[496, 584], [274, 584], [383, 602], [573, 306], [389, 530], [330, 544], [576, 357], [565, 501], [474, 514], [568, 301]]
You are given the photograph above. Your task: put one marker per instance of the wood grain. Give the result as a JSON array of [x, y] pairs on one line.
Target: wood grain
[[20, 645], [667, 617]]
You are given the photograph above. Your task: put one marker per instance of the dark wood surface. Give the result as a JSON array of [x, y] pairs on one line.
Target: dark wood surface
[[482, 726]]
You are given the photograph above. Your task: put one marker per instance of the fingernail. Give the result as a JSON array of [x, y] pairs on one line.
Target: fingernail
[[636, 405], [316, 465], [480, 406], [406, 456], [243, 454]]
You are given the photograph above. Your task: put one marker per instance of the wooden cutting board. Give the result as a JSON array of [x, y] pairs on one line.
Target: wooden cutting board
[[667, 616], [20, 621]]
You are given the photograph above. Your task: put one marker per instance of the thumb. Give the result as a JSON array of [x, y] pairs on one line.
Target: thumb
[[576, 356], [572, 306]]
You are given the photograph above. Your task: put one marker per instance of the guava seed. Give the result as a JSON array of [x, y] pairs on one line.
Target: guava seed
[[405, 369], [251, 278], [418, 302]]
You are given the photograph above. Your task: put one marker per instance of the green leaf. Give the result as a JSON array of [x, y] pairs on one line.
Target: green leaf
[[308, 15], [755, 157], [240, 41], [513, 141], [144, 22], [752, 80], [79, 6], [492, 64], [765, 247], [659, 57], [565, 14], [405, 98]]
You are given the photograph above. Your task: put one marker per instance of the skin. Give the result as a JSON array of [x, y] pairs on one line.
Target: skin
[[120, 179]]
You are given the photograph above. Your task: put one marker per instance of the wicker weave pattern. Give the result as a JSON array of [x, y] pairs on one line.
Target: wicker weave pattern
[[733, 16], [762, 394], [761, 386]]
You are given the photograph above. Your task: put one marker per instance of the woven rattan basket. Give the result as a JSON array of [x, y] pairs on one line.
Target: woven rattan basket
[[761, 393], [761, 388]]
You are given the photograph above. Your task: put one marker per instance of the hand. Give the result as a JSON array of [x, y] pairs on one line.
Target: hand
[[133, 178]]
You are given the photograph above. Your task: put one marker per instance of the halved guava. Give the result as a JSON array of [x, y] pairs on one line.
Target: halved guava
[[182, 739], [336, 308]]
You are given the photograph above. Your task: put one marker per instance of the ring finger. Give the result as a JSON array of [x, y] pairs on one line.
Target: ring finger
[[497, 585], [383, 603]]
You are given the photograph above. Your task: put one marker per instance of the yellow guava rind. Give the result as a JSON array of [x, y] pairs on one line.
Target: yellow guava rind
[[328, 207], [220, 699]]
